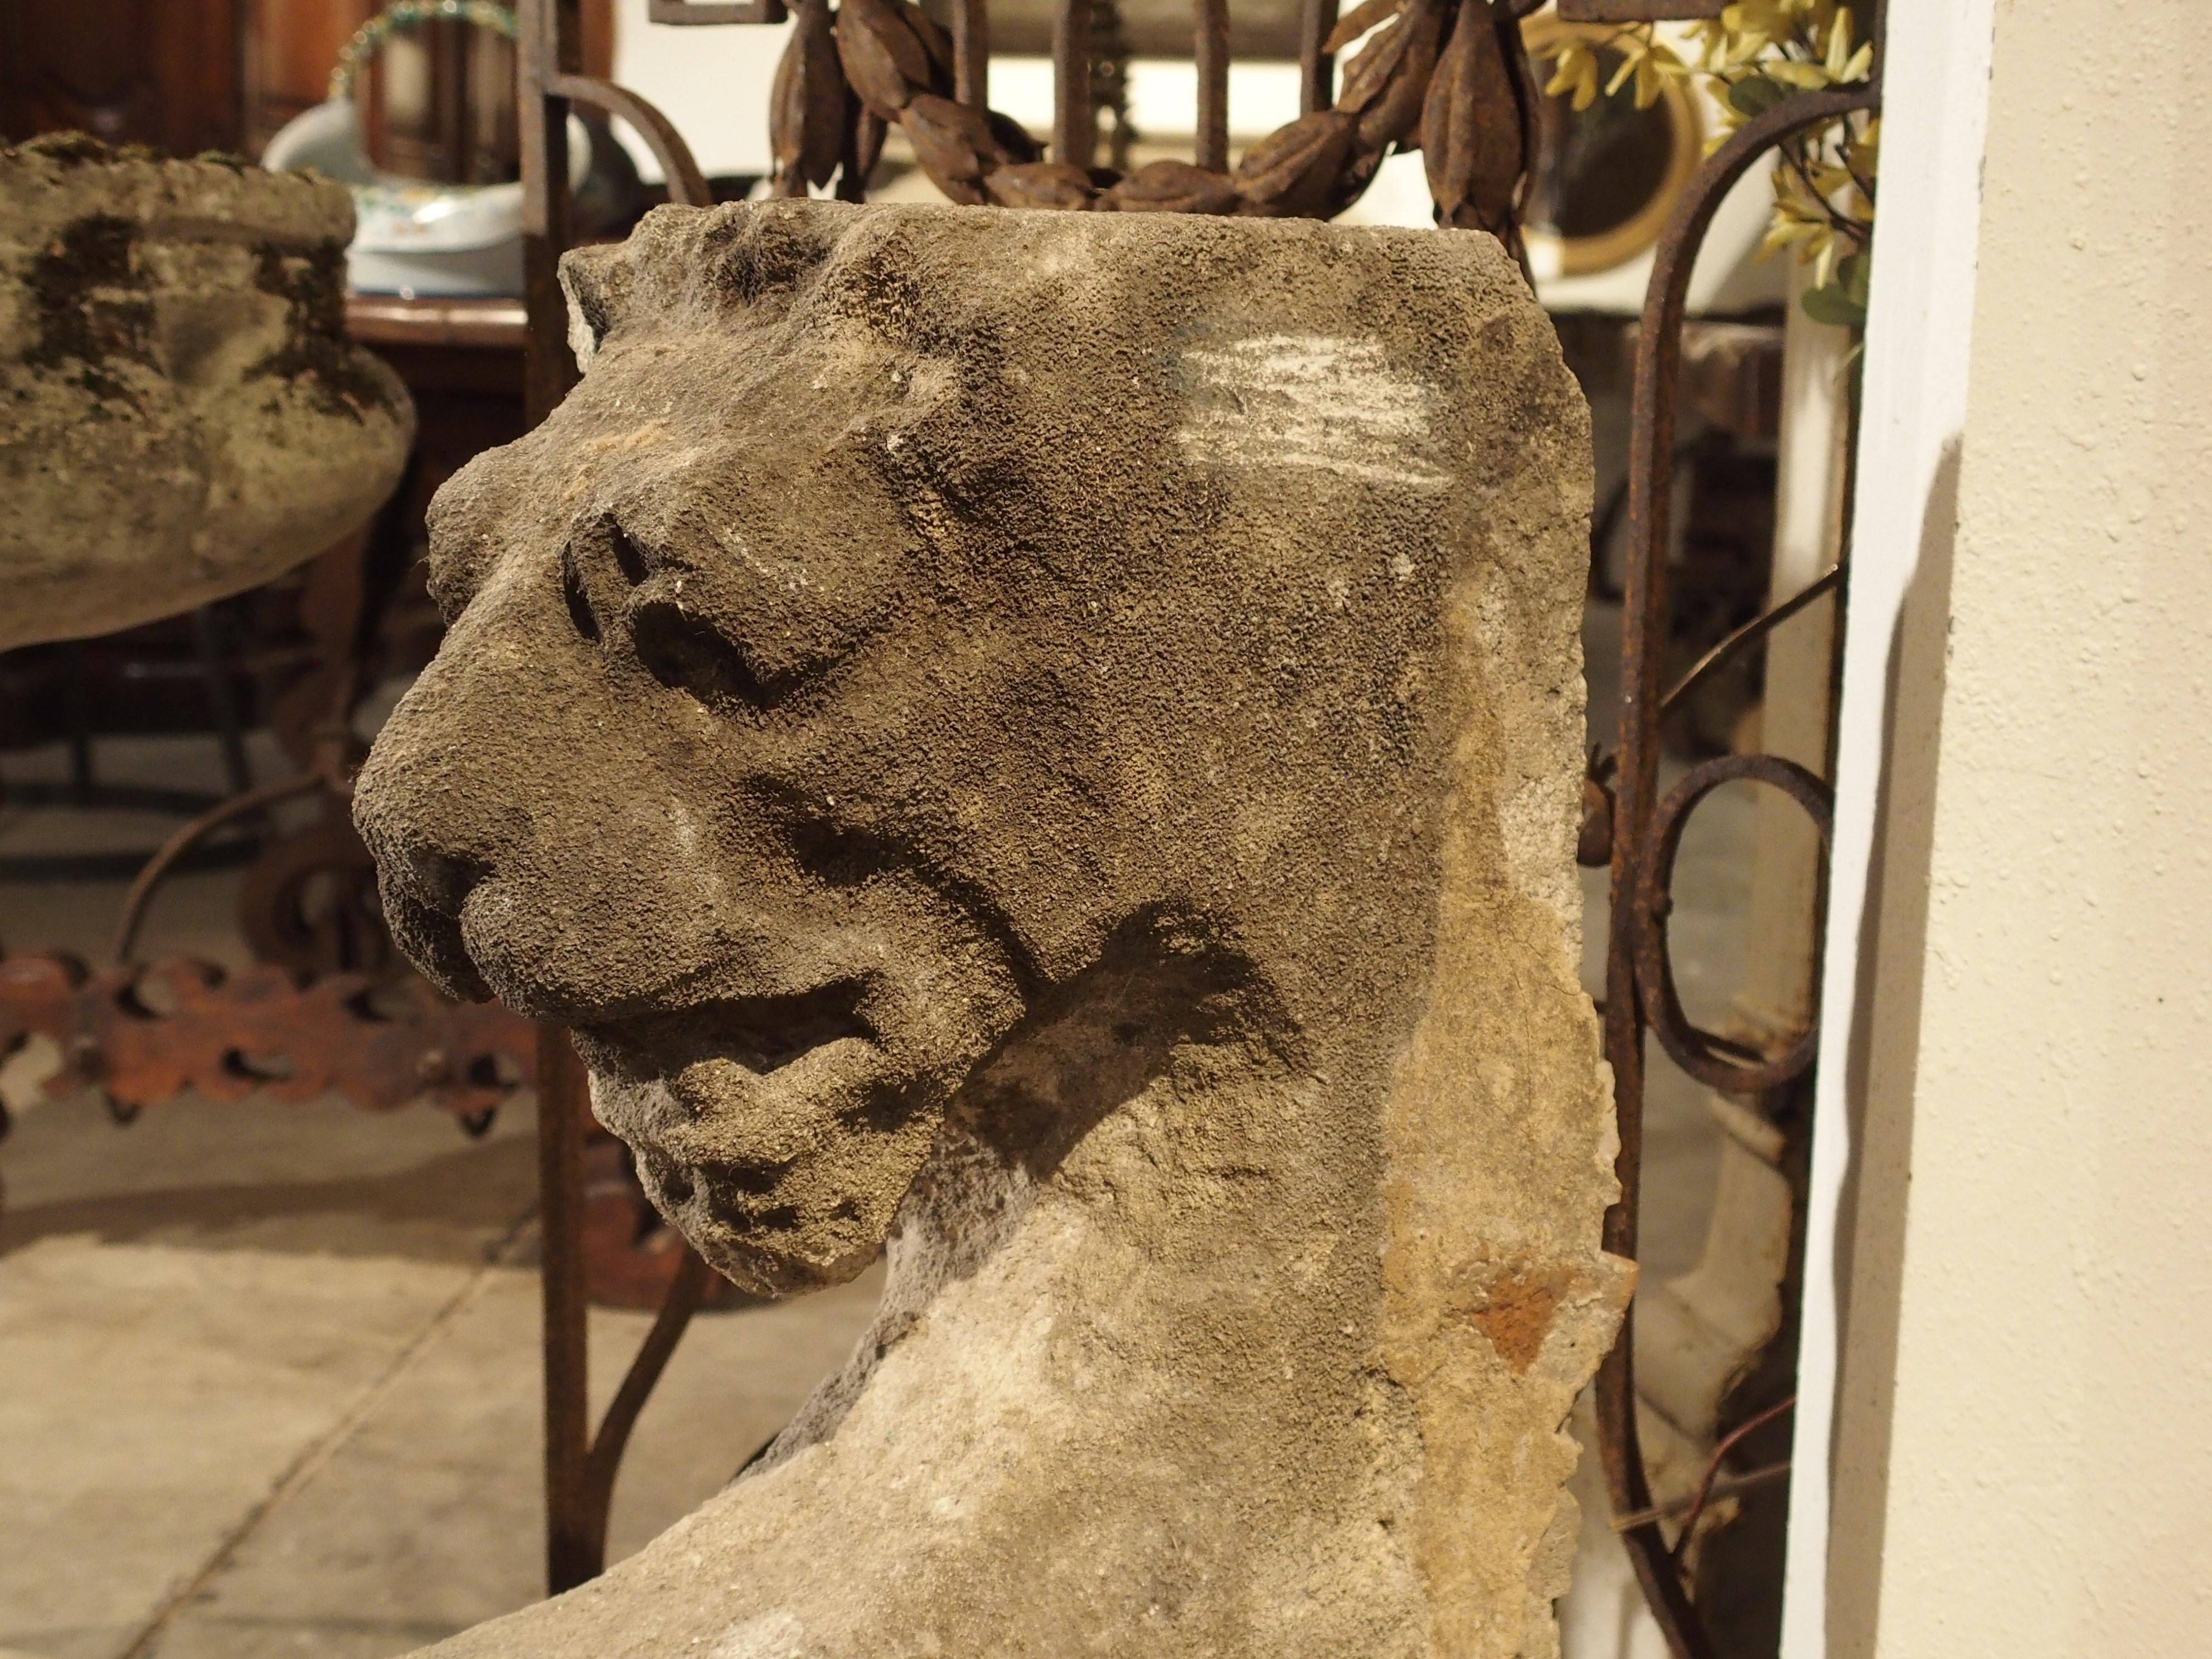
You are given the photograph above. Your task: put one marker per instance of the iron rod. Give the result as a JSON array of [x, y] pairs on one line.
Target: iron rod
[[687, 185], [207, 642], [562, 1101], [578, 1489], [1212, 44], [1316, 64], [1074, 136], [687, 1289], [1638, 11], [1643, 637], [1734, 644], [971, 53], [547, 48], [688, 12]]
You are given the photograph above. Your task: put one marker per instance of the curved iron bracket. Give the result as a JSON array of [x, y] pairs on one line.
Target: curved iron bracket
[[1696, 1051], [687, 185]]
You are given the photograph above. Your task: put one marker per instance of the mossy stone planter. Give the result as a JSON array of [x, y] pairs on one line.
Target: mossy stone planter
[[181, 414]]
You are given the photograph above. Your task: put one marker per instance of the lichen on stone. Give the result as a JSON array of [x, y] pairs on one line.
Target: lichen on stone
[[145, 465], [90, 305], [316, 354]]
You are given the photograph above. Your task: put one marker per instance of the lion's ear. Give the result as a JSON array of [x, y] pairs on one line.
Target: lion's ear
[[597, 282], [741, 254], [756, 251]]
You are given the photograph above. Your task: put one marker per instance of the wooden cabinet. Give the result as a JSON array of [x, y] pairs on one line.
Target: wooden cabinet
[[168, 73], [187, 75], [290, 47]]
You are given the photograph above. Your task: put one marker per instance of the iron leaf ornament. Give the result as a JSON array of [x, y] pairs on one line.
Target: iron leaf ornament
[[1445, 77]]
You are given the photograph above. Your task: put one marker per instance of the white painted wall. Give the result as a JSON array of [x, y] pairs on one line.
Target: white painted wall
[[712, 83], [2018, 1000]]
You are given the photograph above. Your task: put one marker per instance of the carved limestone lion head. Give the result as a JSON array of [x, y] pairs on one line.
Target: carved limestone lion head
[[909, 605]]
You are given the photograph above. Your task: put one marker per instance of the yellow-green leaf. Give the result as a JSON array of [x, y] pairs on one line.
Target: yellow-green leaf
[[1840, 43], [1810, 77]]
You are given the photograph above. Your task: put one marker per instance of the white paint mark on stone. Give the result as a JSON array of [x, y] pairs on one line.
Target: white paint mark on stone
[[1315, 401], [777, 1634]]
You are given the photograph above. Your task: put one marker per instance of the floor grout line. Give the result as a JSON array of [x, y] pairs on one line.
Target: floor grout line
[[311, 1460]]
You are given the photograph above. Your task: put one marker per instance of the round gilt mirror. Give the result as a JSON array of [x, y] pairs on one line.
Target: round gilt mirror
[[1606, 176]]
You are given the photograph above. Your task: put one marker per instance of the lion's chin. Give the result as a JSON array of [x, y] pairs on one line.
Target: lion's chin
[[765, 1246], [776, 1265], [775, 1221]]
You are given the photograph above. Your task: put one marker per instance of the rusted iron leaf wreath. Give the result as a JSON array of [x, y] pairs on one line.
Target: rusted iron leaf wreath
[[1446, 77]]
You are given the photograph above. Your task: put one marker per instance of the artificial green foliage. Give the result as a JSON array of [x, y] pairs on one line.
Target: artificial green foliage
[[1755, 57]]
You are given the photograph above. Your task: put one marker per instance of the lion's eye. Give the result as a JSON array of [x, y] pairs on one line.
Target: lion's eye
[[633, 564], [732, 632], [686, 651], [613, 587], [578, 602], [599, 567]]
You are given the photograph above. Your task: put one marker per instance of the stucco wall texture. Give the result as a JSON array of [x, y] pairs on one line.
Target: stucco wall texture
[[2024, 1466]]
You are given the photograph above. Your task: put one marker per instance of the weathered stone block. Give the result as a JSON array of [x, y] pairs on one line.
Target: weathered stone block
[[1056, 739]]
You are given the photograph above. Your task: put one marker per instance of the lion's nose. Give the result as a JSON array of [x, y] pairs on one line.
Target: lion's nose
[[422, 891], [436, 802], [486, 798]]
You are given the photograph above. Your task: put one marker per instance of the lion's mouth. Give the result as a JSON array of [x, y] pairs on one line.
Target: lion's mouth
[[756, 1123], [762, 1034]]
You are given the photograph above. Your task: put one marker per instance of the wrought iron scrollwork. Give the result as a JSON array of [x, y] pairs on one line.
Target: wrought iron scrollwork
[[1696, 1051], [1644, 833]]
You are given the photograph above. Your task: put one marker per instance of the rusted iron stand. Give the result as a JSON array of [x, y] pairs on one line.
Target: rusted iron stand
[[562, 1099], [580, 1466]]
